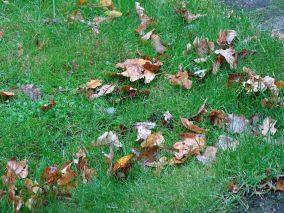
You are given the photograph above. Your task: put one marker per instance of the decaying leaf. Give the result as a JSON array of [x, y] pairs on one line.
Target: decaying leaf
[[236, 77], [159, 164], [93, 84], [155, 139], [104, 90], [32, 91], [181, 78], [147, 155], [268, 127], [148, 35], [208, 156], [20, 168], [217, 64], [50, 174], [189, 125], [229, 55], [237, 124], [137, 69], [132, 92], [81, 2], [201, 60], [108, 138], [168, 117], [203, 47], [15, 200], [227, 143], [273, 102], [67, 178], [7, 94], [192, 144], [81, 163], [157, 44], [145, 20], [50, 105], [122, 166], [218, 118], [226, 37], [202, 110], [144, 129], [32, 186], [279, 186], [232, 187], [188, 16]]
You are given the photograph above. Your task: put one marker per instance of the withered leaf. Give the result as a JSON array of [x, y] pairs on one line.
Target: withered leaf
[[189, 125], [226, 143], [122, 166], [15, 200], [157, 44], [147, 155], [279, 186], [2, 194], [145, 20], [50, 174], [137, 69], [67, 178], [148, 35], [226, 37], [235, 77], [217, 64], [20, 168], [81, 2], [181, 78], [49, 106], [188, 16], [232, 187], [32, 91], [104, 90], [208, 156], [202, 110], [237, 124], [268, 127], [106, 3], [7, 94], [218, 117], [272, 102], [203, 47], [108, 138], [95, 24], [93, 84], [32, 186], [144, 129], [155, 139], [229, 55]]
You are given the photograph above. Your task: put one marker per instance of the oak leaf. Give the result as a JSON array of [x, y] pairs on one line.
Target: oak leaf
[[181, 78]]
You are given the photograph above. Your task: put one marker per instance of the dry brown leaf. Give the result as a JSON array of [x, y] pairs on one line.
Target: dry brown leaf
[[81, 2], [49, 106], [189, 125], [7, 94], [157, 44], [32, 91], [122, 166], [226, 143], [175, 161], [93, 84], [202, 110], [203, 47], [155, 139], [181, 78], [229, 55], [218, 117], [137, 69], [81, 163], [50, 174], [279, 186], [145, 20], [232, 187], [237, 124], [15, 200], [20, 168], [268, 127], [236, 77], [148, 35], [147, 155], [280, 84], [1, 34], [168, 117], [67, 178], [226, 38], [188, 16], [159, 164], [208, 156], [144, 129], [104, 90], [273, 102], [217, 64], [32, 186], [191, 144], [108, 138]]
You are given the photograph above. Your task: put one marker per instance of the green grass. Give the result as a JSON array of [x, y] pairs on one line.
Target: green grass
[[46, 138]]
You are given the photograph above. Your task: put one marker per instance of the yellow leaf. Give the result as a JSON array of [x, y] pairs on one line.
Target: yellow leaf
[[106, 3], [122, 165]]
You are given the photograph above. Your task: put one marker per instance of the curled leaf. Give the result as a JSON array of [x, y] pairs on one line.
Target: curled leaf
[[155, 139], [122, 166], [181, 78], [268, 127], [189, 125], [226, 37], [108, 138]]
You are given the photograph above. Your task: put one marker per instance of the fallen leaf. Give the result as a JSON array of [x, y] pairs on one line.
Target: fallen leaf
[[109, 158], [280, 84], [181, 78], [32, 186], [49, 106], [200, 74], [104, 90], [268, 127], [147, 155], [188, 16], [122, 166], [144, 129], [191, 144], [148, 35], [226, 37], [2, 194], [106, 3], [237, 124], [189, 125], [279, 186], [93, 84], [203, 47], [76, 16], [7, 94], [229, 55], [168, 118], [137, 69], [157, 44], [145, 20], [235, 77], [208, 156], [50, 174], [232, 187], [20, 168], [32, 91], [108, 138], [113, 14], [1, 34], [226, 143], [132, 92], [273, 102], [202, 110], [217, 64], [15, 200], [81, 2], [67, 178], [159, 164], [201, 60], [155, 139], [244, 53], [218, 117]]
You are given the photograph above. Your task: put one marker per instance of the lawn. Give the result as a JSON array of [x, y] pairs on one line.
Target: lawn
[[73, 56]]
